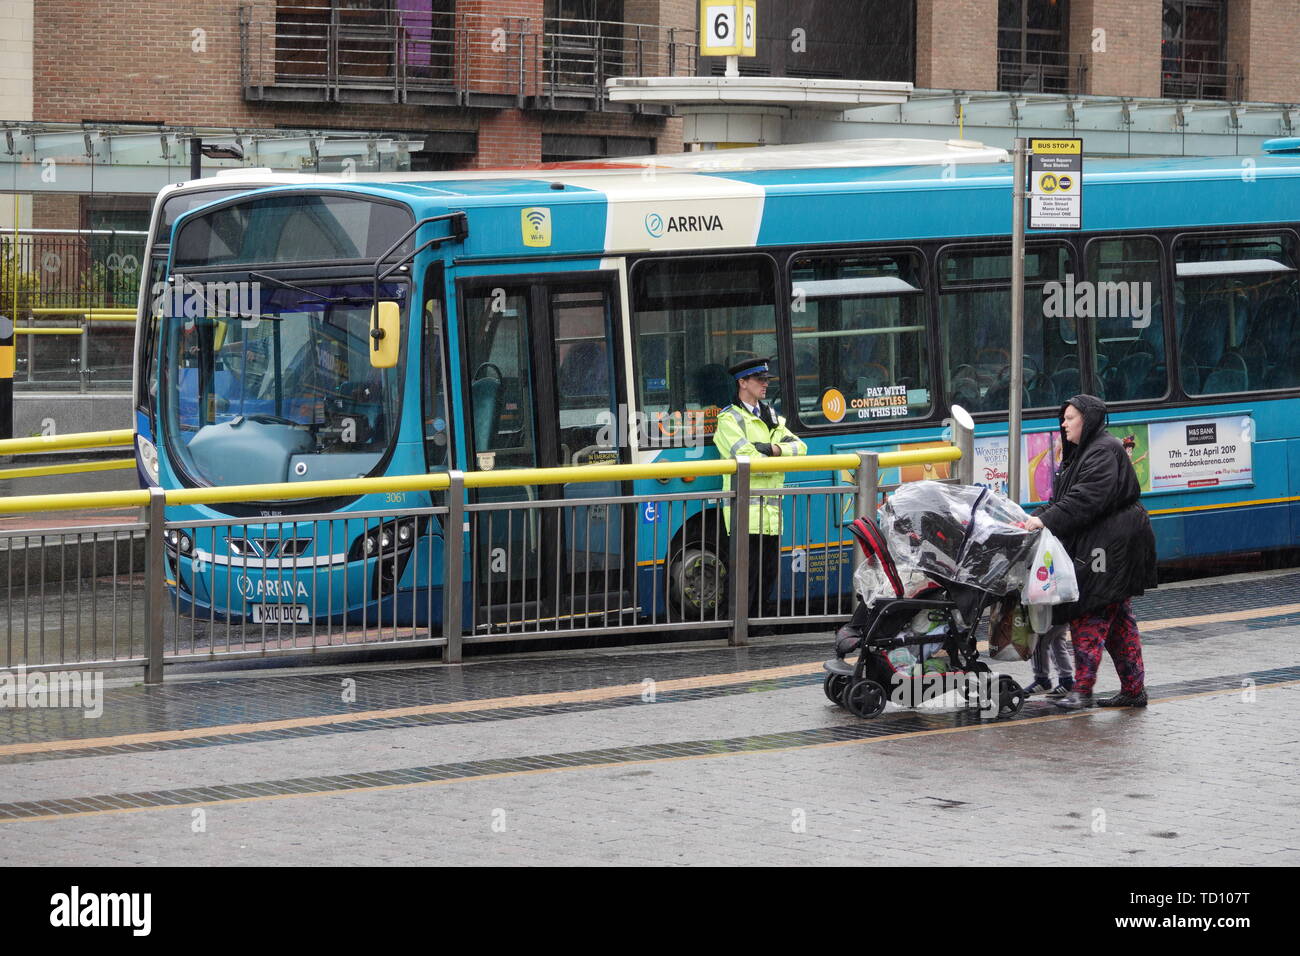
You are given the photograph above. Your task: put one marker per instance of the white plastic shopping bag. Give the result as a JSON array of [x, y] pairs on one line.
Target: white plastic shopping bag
[[1051, 577]]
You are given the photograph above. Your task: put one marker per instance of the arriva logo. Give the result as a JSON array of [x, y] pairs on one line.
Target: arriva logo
[[656, 225], [249, 588]]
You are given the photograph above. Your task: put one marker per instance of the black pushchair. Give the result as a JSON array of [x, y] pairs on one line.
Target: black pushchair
[[955, 551]]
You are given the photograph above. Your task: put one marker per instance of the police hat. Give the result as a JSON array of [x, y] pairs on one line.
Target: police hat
[[754, 366]]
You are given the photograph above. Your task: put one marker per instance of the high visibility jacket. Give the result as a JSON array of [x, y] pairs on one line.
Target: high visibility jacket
[[735, 436]]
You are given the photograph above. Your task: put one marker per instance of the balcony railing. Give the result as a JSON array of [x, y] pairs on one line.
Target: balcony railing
[[1185, 79], [1041, 71], [318, 54]]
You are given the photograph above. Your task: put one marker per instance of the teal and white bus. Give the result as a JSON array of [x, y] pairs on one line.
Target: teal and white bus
[[532, 313]]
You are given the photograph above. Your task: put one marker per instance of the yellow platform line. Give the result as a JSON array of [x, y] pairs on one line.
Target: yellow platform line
[[589, 695], [511, 774]]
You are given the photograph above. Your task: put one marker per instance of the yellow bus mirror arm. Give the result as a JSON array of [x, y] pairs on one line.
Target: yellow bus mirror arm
[[385, 334]]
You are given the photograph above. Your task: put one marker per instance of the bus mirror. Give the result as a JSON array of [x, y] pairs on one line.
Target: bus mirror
[[386, 334]]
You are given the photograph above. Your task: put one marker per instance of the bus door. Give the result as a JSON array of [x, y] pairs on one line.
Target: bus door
[[543, 360]]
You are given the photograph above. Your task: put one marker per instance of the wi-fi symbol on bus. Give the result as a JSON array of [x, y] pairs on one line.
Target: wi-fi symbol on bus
[[537, 226]]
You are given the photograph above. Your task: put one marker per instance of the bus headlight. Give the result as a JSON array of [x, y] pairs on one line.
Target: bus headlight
[[179, 541], [387, 540], [148, 457]]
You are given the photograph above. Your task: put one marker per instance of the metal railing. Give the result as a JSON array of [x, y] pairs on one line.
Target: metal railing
[[1193, 79], [1041, 71], [75, 441], [73, 296], [535, 566], [299, 53]]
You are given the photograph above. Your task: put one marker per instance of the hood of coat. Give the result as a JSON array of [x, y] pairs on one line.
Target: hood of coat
[[1095, 419]]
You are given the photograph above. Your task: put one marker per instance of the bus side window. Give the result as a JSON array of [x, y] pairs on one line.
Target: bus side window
[[975, 327], [693, 319], [1238, 313], [860, 338], [1128, 334]]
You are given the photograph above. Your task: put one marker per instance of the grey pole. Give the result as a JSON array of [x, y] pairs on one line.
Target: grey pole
[[868, 484], [963, 436], [453, 553], [1015, 410], [739, 544], [155, 573]]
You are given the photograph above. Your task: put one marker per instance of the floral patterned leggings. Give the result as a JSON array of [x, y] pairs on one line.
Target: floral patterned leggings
[[1113, 628]]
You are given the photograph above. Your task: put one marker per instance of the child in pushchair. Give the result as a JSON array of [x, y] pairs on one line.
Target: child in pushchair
[[939, 557]]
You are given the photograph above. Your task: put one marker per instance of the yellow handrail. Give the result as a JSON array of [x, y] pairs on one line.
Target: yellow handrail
[[44, 443], [20, 330], [76, 468], [350, 487], [97, 309]]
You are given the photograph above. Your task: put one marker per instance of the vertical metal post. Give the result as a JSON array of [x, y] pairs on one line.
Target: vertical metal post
[[155, 572], [1017, 318], [8, 349], [453, 552], [738, 593], [83, 370], [868, 484], [964, 439]]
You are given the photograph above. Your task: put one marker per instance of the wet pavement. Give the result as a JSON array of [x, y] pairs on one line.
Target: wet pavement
[[695, 754]]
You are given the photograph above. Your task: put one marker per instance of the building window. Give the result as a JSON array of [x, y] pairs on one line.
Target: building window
[[1193, 59], [586, 42], [1033, 47]]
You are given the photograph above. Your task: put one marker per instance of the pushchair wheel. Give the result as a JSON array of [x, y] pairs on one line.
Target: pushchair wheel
[[1011, 697], [865, 698], [834, 685]]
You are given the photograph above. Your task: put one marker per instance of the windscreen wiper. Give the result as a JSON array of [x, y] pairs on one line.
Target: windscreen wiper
[[331, 299]]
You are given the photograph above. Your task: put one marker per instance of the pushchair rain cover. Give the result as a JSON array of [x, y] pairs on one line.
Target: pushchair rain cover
[[961, 534]]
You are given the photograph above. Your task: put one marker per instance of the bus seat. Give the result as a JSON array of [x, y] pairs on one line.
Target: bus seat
[[966, 393], [1230, 376], [1066, 383], [1285, 374], [485, 393], [1205, 338], [1256, 357], [1275, 325], [1133, 370], [998, 397]]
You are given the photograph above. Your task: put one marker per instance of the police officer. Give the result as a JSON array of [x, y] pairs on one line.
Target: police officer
[[750, 428]]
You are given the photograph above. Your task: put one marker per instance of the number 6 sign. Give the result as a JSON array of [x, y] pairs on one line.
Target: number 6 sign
[[719, 28], [749, 28]]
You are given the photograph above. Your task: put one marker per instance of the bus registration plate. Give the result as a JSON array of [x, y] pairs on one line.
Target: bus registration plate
[[280, 614]]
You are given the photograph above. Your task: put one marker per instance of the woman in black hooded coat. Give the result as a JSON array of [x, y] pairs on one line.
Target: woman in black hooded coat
[[1095, 512]]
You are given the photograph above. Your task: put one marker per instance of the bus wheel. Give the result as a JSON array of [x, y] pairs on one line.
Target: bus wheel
[[697, 582]]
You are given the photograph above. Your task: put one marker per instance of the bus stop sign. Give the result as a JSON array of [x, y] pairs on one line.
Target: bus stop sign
[[1056, 184]]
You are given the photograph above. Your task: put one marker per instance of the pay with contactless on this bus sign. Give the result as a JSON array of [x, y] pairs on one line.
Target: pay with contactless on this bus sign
[[1056, 184], [728, 28]]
